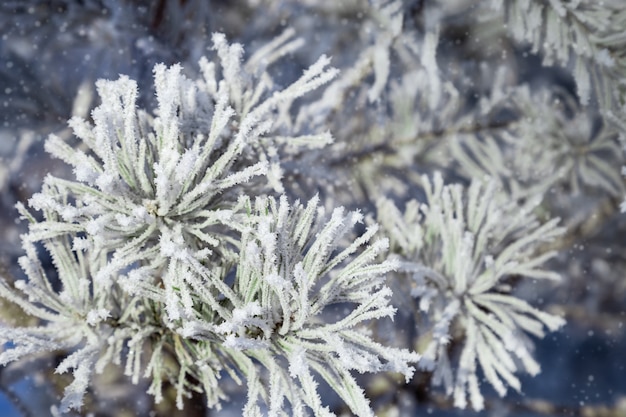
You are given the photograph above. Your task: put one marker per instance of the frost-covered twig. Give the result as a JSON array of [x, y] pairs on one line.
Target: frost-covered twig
[[460, 249]]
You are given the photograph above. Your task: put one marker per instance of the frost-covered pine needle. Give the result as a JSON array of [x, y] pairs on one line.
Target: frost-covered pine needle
[[460, 248]]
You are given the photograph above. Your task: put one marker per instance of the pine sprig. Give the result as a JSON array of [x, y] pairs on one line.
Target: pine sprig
[[460, 249], [287, 283], [585, 35]]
